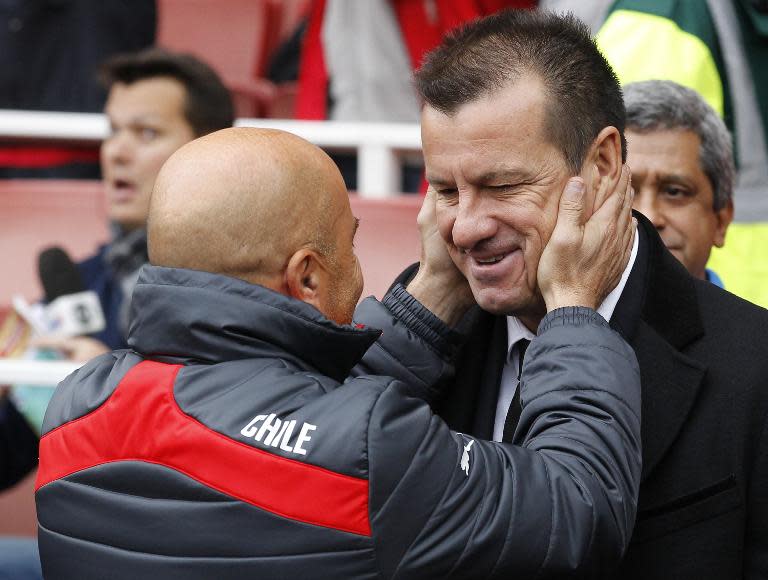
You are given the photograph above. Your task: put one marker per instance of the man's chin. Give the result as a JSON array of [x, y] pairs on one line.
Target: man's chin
[[504, 302]]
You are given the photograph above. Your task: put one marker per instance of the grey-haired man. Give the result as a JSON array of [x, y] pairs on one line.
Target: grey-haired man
[[683, 172]]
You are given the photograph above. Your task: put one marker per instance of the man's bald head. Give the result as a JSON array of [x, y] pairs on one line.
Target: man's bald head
[[242, 201]]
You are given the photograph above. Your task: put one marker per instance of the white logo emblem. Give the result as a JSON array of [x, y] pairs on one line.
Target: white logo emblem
[[465, 457]]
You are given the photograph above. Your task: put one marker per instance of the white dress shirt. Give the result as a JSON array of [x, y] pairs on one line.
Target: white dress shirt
[[517, 331]]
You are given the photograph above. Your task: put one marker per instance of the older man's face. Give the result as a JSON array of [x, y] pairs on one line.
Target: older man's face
[[672, 190], [498, 182]]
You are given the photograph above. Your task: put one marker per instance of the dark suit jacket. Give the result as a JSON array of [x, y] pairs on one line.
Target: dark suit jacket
[[703, 353]]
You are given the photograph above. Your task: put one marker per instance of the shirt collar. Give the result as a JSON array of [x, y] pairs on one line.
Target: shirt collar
[[517, 331]]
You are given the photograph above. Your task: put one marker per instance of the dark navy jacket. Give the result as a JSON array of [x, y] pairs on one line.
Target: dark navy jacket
[[18, 445], [246, 436], [98, 276]]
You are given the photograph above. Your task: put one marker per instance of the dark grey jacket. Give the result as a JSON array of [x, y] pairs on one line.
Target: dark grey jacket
[[238, 439]]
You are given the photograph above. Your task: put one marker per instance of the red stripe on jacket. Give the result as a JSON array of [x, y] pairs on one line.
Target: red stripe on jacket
[[141, 421]]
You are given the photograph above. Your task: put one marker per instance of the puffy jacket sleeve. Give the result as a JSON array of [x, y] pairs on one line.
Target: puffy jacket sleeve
[[562, 504], [415, 346]]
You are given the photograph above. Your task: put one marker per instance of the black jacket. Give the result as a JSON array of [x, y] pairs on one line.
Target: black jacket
[[703, 357], [228, 444], [18, 445]]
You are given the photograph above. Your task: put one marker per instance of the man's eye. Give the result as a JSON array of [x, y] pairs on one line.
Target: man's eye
[[148, 133], [676, 192], [447, 191]]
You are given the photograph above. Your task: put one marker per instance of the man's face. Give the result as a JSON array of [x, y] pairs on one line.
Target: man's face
[[672, 190], [498, 182], [147, 125], [346, 283]]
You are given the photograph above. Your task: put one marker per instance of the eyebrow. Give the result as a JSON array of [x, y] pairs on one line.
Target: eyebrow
[[513, 175], [357, 225], [508, 175], [675, 178], [434, 181]]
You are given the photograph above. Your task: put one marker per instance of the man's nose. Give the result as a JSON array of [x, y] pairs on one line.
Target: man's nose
[[117, 149], [473, 222], [647, 203]]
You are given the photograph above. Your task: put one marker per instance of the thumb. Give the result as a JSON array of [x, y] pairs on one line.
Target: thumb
[[572, 202]]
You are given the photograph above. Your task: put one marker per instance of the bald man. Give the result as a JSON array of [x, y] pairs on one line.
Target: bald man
[[252, 431]]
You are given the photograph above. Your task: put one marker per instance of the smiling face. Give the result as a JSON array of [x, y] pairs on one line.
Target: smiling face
[[672, 190], [498, 181], [147, 124]]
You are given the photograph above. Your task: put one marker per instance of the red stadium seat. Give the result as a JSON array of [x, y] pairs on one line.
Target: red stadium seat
[[387, 240], [18, 508], [235, 37], [34, 215], [291, 13], [37, 214]]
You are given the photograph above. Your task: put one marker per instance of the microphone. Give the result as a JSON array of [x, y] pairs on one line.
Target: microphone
[[72, 310]]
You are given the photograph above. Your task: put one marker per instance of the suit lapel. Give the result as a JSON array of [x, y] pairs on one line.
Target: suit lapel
[[670, 384], [658, 314], [490, 381], [466, 402]]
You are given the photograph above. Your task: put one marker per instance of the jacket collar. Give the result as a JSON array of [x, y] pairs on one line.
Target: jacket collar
[[211, 318]]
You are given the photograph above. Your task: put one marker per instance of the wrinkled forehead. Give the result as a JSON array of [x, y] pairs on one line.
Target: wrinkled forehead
[[500, 132]]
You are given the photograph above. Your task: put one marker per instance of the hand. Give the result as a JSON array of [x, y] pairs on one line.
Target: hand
[[76, 348], [438, 284], [584, 259]]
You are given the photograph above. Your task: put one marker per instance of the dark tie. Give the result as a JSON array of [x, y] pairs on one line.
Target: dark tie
[[515, 408]]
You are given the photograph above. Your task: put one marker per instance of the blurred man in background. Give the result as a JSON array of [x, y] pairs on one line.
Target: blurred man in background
[[158, 101], [682, 169]]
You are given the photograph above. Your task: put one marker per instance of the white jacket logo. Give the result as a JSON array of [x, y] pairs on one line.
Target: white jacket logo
[[465, 457], [278, 433]]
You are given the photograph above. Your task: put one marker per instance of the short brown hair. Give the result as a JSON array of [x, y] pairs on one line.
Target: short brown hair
[[207, 104], [487, 54]]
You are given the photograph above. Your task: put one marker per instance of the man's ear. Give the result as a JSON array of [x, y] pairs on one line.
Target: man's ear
[[603, 162], [306, 278], [724, 217]]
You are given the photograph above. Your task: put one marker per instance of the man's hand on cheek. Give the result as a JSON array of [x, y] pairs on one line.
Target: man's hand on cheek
[[584, 258], [438, 284]]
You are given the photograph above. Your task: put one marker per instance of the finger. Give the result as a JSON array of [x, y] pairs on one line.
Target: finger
[[628, 229], [427, 211], [629, 243], [47, 342], [624, 211], [629, 192], [572, 204], [611, 208], [624, 218], [602, 190], [623, 187]]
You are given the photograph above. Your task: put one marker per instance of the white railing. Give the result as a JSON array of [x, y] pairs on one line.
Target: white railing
[[36, 373], [379, 146]]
